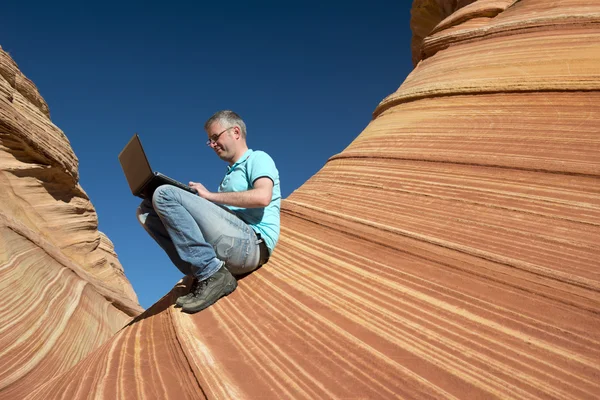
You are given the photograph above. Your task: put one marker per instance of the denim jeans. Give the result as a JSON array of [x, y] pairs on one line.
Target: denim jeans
[[197, 234]]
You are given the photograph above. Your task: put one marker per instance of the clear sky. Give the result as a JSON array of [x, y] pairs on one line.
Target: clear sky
[[305, 76]]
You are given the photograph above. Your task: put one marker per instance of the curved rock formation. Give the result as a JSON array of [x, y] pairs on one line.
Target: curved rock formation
[[63, 289], [451, 251]]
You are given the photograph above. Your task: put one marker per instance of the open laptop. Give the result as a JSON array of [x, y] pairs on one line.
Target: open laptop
[[141, 178]]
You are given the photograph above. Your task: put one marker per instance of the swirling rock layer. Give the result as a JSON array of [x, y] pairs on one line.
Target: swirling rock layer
[[63, 289], [451, 251]]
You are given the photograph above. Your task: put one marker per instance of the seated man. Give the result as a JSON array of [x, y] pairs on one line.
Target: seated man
[[212, 235]]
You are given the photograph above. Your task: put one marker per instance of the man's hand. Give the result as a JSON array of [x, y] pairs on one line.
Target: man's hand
[[200, 189]]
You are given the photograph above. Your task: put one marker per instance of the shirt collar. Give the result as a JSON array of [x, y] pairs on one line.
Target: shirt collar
[[242, 160]]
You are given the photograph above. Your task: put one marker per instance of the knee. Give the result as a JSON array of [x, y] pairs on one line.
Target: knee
[[163, 194]]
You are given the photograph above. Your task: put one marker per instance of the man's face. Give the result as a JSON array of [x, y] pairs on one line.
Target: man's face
[[223, 140]]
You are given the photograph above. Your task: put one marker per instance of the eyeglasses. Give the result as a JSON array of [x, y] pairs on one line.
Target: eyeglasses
[[214, 138]]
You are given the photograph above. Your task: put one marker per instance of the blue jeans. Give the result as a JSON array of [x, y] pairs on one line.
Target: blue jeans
[[197, 234]]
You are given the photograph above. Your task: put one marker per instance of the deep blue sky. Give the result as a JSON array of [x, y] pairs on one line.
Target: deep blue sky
[[305, 77]]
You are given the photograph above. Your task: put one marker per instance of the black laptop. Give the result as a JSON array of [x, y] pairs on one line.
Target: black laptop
[[142, 180]]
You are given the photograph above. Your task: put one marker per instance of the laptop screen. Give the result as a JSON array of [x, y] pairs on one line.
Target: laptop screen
[[135, 164]]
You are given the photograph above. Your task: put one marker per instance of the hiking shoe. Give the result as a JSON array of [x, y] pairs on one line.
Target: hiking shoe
[[208, 291], [181, 300]]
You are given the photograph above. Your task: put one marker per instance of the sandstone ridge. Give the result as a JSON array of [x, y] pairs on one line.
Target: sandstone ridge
[[64, 290]]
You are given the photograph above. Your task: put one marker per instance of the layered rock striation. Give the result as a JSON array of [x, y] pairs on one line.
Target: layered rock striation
[[63, 289], [450, 251]]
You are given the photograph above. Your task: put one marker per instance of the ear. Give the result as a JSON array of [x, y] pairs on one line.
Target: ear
[[236, 129]]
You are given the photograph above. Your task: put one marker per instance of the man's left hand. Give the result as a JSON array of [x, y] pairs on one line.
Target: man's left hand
[[200, 189]]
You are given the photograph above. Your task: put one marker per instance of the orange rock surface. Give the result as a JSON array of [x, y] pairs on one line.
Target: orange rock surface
[[63, 290], [451, 251]]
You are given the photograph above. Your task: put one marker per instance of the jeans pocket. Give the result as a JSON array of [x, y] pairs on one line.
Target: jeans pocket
[[233, 250]]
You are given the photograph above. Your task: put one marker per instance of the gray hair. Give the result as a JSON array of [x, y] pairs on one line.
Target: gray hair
[[227, 118]]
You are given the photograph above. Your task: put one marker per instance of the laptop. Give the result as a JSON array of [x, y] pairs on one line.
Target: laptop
[[142, 180]]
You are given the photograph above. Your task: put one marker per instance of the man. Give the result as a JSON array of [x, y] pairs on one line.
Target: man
[[212, 235]]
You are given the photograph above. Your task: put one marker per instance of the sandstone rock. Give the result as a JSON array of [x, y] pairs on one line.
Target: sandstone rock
[[39, 173], [451, 251], [63, 289]]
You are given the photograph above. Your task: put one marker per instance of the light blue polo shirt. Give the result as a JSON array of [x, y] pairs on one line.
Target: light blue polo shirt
[[240, 177]]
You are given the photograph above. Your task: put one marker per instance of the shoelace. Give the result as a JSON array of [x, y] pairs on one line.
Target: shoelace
[[200, 285], [193, 286]]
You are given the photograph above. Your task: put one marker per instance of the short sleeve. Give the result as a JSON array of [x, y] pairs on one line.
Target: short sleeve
[[262, 165]]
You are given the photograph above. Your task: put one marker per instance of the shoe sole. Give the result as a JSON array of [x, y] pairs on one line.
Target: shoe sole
[[204, 306], [179, 304]]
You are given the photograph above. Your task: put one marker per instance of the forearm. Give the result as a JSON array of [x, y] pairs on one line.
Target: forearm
[[253, 198]]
